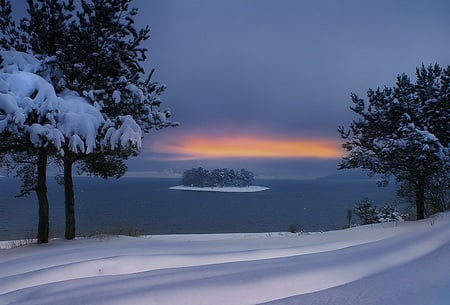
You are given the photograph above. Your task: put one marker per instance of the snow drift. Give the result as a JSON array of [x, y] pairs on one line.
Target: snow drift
[[389, 263]]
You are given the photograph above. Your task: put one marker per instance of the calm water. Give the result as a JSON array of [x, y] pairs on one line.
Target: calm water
[[147, 205]]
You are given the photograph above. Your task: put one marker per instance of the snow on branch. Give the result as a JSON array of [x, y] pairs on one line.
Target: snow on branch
[[14, 61], [43, 135], [29, 104], [79, 122], [128, 134]]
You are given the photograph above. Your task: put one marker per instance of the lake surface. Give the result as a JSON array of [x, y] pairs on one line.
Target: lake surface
[[147, 205]]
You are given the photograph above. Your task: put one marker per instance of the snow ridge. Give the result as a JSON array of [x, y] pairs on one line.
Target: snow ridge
[[223, 269]]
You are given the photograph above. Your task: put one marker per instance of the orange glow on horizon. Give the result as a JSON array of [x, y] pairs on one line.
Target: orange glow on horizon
[[204, 147]]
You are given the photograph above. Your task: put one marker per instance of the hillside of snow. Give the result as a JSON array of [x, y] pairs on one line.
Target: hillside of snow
[[389, 263]]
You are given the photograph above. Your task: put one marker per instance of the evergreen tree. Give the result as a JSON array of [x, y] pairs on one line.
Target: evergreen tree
[[388, 213], [404, 132], [199, 177], [94, 50], [219, 177], [244, 177], [366, 211], [28, 115]]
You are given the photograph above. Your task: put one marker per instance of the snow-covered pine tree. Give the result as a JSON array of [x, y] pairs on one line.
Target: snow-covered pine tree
[[388, 213], [42, 35], [28, 116], [433, 92], [10, 37], [398, 133], [106, 68], [366, 211], [95, 50]]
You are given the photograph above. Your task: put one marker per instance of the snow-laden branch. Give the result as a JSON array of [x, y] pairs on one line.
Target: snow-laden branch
[[18, 61], [128, 134], [29, 105]]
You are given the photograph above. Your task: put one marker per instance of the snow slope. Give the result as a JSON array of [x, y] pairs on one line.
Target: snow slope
[[225, 189], [390, 263]]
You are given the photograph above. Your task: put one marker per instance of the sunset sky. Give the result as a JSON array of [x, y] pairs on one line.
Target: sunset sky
[[198, 146], [264, 84]]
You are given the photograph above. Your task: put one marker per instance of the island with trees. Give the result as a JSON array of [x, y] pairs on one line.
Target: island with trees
[[219, 180]]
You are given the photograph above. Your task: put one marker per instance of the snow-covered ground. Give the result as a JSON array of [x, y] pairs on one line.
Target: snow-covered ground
[[390, 263], [225, 189]]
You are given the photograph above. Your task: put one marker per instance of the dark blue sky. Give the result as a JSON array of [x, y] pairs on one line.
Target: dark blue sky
[[282, 68], [286, 65], [278, 69]]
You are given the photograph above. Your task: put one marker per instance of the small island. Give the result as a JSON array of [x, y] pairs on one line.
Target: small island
[[218, 180]]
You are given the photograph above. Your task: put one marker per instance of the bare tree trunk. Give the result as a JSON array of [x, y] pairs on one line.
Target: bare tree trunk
[[69, 199], [41, 191]]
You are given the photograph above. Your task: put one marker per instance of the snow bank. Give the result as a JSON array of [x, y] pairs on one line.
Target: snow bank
[[225, 189], [388, 263]]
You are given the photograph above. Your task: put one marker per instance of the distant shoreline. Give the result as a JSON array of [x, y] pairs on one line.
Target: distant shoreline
[[225, 189]]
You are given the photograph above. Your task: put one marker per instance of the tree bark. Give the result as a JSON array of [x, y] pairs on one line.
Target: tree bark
[[69, 199], [420, 202], [41, 192]]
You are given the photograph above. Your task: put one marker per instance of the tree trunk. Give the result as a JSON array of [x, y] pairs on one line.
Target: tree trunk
[[420, 202], [41, 191], [69, 199]]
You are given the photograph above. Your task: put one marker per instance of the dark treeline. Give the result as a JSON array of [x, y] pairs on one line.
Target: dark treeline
[[200, 177]]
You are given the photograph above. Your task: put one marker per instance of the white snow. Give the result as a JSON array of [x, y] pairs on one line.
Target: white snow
[[225, 189], [14, 61], [136, 92], [62, 118], [129, 134], [79, 122], [39, 132], [116, 96], [30, 92], [389, 263]]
